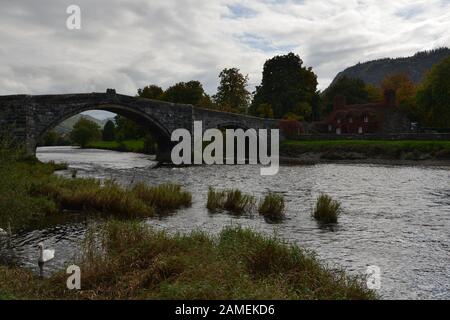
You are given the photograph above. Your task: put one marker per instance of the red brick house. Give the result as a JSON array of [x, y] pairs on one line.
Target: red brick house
[[384, 117]]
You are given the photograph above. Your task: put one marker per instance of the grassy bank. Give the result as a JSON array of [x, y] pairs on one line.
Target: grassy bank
[[123, 146], [362, 149], [30, 192], [137, 262]]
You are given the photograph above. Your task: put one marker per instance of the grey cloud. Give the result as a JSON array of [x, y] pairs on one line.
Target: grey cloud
[[129, 44]]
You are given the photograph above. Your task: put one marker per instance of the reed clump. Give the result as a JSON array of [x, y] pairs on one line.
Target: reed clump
[[272, 206], [232, 200], [164, 198], [326, 209], [216, 199]]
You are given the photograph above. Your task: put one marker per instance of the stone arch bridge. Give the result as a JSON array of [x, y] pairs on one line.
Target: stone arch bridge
[[27, 118]]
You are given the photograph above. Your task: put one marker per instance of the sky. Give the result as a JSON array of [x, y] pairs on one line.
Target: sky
[[129, 44]]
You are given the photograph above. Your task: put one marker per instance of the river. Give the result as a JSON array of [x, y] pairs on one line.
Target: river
[[394, 217]]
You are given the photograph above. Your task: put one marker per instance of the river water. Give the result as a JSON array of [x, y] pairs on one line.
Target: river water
[[394, 217]]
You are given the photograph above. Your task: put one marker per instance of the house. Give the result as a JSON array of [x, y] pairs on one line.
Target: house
[[380, 118]]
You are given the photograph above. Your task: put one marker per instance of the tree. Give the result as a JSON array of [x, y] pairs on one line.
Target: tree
[[109, 131], [232, 93], [127, 129], [285, 83], [265, 111], [151, 92], [290, 128], [187, 92], [405, 92], [433, 96], [354, 90], [303, 111], [50, 138], [85, 131], [374, 93]]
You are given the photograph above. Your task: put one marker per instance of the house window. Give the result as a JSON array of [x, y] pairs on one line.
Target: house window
[[350, 120], [330, 127], [360, 130], [366, 119], [338, 131], [338, 120]]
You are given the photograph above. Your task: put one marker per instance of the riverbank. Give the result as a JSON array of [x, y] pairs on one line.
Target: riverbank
[[137, 262], [137, 146], [366, 152], [30, 193]]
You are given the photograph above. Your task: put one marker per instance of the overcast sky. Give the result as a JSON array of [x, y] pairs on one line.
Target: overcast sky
[[129, 44]]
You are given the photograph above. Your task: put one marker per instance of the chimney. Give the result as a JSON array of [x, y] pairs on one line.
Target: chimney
[[339, 101], [390, 99]]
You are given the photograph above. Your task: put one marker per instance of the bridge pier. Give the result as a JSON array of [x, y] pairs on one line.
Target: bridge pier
[[163, 154]]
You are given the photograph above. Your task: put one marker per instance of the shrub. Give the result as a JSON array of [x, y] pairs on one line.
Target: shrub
[[272, 206], [327, 210]]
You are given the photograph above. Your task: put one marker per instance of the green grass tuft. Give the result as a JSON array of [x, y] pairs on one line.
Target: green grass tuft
[[327, 210], [232, 200], [272, 206]]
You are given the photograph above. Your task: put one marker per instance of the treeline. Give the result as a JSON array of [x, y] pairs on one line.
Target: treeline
[[427, 103], [288, 90]]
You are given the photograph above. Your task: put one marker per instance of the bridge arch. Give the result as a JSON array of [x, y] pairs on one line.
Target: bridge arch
[[159, 132]]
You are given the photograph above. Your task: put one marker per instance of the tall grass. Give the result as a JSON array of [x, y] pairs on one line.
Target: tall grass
[[232, 200], [216, 199], [272, 206], [112, 199], [29, 192], [327, 210], [135, 261], [165, 197], [18, 207]]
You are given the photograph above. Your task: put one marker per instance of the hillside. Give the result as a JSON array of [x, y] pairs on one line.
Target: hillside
[[375, 71], [67, 125]]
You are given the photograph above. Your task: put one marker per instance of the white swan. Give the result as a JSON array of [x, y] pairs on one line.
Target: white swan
[[45, 255], [4, 233]]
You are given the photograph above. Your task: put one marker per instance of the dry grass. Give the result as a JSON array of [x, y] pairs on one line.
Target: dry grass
[[137, 262], [164, 198]]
